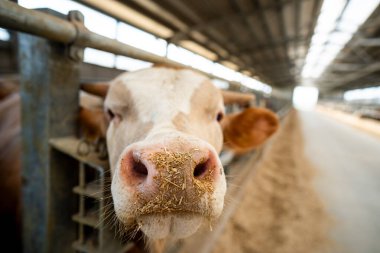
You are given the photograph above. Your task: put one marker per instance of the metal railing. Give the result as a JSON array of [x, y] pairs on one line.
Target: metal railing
[[15, 17], [93, 235]]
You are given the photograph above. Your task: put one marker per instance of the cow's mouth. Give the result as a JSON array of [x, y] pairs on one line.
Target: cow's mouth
[[175, 224]]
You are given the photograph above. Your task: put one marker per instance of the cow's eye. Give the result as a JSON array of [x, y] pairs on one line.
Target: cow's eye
[[219, 116], [110, 114]]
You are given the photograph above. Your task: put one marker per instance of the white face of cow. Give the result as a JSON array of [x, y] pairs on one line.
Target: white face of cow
[[163, 142]]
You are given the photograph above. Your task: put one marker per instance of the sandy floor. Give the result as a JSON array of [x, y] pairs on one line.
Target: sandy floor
[[370, 126], [316, 189], [348, 179], [280, 211]]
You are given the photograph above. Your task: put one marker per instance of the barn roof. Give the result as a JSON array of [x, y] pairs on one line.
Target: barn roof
[[266, 39]]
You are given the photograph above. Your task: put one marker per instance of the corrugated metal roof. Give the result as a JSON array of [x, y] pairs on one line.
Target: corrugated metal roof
[[266, 39], [358, 64]]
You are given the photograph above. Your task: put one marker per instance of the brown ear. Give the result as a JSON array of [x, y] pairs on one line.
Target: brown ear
[[93, 123], [248, 129], [232, 97], [97, 89]]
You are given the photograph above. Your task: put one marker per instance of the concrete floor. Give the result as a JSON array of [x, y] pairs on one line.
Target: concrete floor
[[348, 166]]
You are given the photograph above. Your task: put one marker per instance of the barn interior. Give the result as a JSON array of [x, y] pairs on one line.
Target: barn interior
[[313, 187]]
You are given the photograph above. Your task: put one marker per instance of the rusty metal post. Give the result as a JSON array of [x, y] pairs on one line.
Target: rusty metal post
[[49, 91]]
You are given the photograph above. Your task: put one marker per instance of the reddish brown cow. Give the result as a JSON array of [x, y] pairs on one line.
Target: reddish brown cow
[[10, 177]]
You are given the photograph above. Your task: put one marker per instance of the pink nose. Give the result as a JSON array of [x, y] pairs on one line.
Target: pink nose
[[148, 168]]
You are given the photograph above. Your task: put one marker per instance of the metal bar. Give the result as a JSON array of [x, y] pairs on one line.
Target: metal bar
[[95, 189], [48, 79], [171, 19], [82, 181], [13, 16], [353, 76], [87, 38], [370, 42]]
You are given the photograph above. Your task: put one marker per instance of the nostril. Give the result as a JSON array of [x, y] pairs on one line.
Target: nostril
[[200, 169], [140, 168]]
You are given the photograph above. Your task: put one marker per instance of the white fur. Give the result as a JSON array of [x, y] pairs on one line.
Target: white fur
[[162, 90], [158, 94], [163, 226]]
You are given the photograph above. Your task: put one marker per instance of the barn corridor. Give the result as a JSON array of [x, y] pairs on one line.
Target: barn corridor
[[348, 172], [233, 126], [315, 190]]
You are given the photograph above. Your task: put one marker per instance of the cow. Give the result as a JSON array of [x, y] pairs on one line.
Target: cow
[[10, 173], [164, 129]]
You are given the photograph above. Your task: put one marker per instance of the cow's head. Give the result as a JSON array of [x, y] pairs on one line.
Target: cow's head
[[164, 135]]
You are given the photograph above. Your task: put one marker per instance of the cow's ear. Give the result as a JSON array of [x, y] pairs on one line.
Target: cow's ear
[[232, 97], [97, 89], [93, 123], [248, 129]]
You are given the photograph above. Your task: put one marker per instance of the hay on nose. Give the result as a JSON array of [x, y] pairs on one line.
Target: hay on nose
[[176, 188]]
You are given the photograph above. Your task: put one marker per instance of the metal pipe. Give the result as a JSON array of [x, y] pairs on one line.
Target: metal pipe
[[15, 17], [86, 38]]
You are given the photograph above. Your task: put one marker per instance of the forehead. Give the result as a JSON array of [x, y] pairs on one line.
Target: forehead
[[164, 81], [160, 89]]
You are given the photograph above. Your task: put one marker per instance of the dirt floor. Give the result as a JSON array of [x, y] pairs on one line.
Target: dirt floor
[[370, 126], [348, 163], [280, 211]]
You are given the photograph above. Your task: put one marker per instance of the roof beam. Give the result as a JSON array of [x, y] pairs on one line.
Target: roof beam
[[316, 9], [156, 9], [213, 40], [213, 37], [245, 20], [359, 73], [345, 67], [264, 24], [368, 42], [296, 44], [267, 46], [220, 21], [284, 34]]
